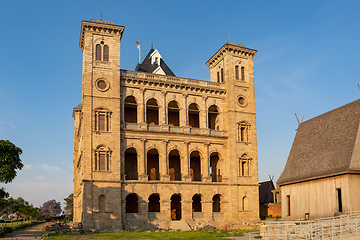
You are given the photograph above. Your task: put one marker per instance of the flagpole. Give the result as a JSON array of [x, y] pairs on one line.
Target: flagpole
[[139, 53]]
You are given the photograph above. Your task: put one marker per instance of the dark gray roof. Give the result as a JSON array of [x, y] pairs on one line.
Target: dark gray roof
[[325, 146], [146, 65], [265, 194]]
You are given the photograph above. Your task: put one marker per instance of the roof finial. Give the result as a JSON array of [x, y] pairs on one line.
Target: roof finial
[[229, 38], [152, 45], [101, 15]]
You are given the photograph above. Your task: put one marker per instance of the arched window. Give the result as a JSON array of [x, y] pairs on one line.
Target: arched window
[[218, 77], [213, 117], [102, 120], [216, 203], [152, 112], [131, 204], [242, 74], [194, 120], [154, 203], [130, 110], [98, 52], [244, 165], [174, 165], [106, 53], [215, 172], [196, 203], [245, 203], [237, 72], [195, 166], [102, 158], [131, 172], [153, 165], [176, 207], [173, 114], [243, 132], [222, 75], [102, 203]]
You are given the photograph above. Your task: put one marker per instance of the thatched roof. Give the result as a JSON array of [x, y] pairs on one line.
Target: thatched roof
[[326, 145]]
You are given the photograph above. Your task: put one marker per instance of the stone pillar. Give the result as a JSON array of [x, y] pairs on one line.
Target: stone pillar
[[206, 164], [186, 209], [203, 114], [165, 209], [163, 112], [207, 208], [164, 162], [185, 163], [142, 162], [141, 107]]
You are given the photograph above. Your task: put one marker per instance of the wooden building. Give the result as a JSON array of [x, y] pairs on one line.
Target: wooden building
[[322, 174]]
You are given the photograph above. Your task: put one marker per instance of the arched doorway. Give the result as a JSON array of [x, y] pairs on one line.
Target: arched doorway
[[153, 164], [174, 165], [176, 207], [131, 164]]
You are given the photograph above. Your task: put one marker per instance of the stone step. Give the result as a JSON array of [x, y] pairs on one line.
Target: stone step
[[182, 225]]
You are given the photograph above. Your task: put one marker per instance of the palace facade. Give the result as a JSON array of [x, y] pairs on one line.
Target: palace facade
[[152, 150]]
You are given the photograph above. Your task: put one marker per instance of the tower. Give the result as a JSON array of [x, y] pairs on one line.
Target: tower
[[232, 65], [97, 128]]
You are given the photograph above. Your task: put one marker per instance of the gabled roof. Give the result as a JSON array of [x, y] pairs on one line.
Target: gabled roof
[[324, 146], [147, 66], [265, 194]]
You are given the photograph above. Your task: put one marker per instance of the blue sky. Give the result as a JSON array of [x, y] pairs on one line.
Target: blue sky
[[307, 63]]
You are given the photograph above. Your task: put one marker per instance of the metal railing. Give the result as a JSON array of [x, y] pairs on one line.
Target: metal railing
[[314, 229]]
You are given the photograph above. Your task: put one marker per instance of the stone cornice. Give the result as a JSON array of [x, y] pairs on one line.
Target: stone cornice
[[231, 48], [142, 78], [102, 27]]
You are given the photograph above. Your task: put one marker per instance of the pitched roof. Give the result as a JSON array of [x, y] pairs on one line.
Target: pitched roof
[[146, 65], [265, 194], [326, 145]]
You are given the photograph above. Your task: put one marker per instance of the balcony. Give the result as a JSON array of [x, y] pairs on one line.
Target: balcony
[[173, 129]]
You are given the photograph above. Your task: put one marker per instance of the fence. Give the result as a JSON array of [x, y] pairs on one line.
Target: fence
[[313, 229]]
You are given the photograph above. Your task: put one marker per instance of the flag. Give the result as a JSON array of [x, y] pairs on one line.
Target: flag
[[137, 44]]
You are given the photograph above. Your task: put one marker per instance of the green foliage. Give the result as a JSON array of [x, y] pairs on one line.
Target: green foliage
[[51, 208], [69, 203], [9, 161]]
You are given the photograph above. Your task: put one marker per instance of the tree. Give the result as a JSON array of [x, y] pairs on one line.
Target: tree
[[50, 209], [9, 161], [69, 204]]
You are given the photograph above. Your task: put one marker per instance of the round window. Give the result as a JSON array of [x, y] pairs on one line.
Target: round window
[[242, 101], [102, 85]]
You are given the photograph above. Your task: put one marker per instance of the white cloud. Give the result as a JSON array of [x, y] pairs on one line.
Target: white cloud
[[12, 125], [40, 178], [50, 168], [27, 166]]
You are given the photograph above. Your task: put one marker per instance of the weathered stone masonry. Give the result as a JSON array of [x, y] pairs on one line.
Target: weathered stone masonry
[[156, 150]]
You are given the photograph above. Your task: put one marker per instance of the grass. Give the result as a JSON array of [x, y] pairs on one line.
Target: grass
[[203, 235], [10, 224]]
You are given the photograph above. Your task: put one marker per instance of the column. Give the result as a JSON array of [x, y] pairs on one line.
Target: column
[[185, 166], [206, 164], [142, 161]]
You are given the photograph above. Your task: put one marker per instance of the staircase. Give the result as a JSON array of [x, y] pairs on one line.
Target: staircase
[[182, 225]]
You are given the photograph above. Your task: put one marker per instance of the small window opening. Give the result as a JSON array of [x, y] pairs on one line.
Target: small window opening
[[288, 205], [152, 112], [102, 203], [242, 73], [153, 165], [196, 203], [244, 165], [131, 172], [340, 208], [131, 204], [216, 203], [213, 117], [237, 72], [154, 203], [98, 52], [194, 120], [195, 166], [174, 165], [106, 53], [215, 172], [130, 110], [173, 114], [176, 207]]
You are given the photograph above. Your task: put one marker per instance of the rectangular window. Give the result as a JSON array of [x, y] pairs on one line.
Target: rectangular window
[[288, 205], [101, 122], [102, 161]]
